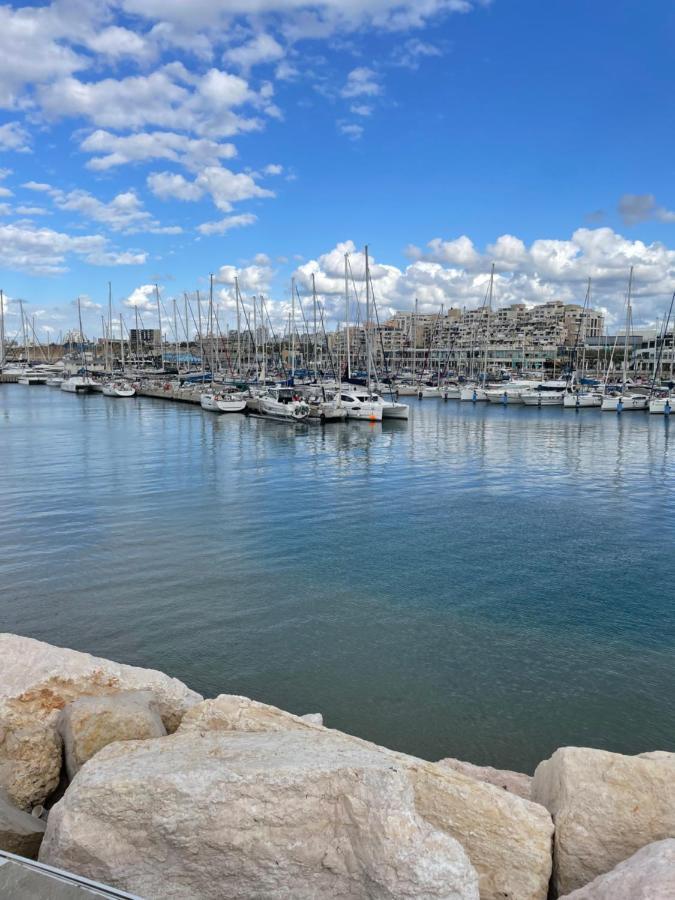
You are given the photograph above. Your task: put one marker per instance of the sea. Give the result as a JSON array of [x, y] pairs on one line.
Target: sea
[[482, 582]]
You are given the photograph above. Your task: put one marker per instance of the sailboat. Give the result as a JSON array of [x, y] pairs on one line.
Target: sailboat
[[78, 384], [223, 401], [474, 393], [577, 397], [623, 401]]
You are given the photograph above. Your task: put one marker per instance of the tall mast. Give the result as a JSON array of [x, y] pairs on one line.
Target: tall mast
[[316, 361], [628, 326], [159, 321], [236, 297], [122, 343], [349, 364], [414, 337], [110, 345], [175, 334], [23, 329], [2, 329], [367, 322], [199, 326], [293, 328], [212, 348], [79, 319], [487, 325]]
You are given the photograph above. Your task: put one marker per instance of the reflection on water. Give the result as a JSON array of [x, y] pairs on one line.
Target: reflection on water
[[481, 582]]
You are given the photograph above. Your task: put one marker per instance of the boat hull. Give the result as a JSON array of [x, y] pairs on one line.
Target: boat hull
[[662, 406], [582, 401], [473, 394], [537, 398], [625, 403]]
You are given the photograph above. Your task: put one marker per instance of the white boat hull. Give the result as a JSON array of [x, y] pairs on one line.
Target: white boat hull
[[395, 410], [540, 398], [505, 397], [662, 406], [118, 390], [625, 403], [473, 394], [582, 401], [76, 385], [222, 404], [369, 412], [296, 411]]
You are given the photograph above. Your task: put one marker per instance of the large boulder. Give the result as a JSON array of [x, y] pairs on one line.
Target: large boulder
[[514, 782], [239, 815], [20, 832], [36, 681], [90, 723], [605, 807], [508, 839], [648, 874]]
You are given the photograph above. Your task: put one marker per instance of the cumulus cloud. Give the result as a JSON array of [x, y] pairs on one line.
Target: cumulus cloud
[[112, 150], [143, 297], [455, 273], [351, 130], [124, 213], [410, 54], [361, 81], [14, 137], [262, 48], [44, 251], [224, 186]]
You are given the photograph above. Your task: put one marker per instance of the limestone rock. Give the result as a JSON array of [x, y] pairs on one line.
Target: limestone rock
[[36, 681], [605, 807], [514, 782], [241, 815], [20, 832], [508, 839], [648, 874], [313, 718], [90, 723]]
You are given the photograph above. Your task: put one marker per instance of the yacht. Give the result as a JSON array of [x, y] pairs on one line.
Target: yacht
[[76, 384], [223, 401], [582, 399], [546, 393], [509, 392], [324, 406], [391, 409], [118, 389], [281, 403], [624, 402], [662, 406], [361, 405], [473, 393]]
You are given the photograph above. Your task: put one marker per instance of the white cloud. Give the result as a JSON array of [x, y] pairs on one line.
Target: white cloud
[[32, 211], [636, 208], [224, 186], [14, 137], [353, 131], [143, 297], [5, 192], [114, 150], [115, 42], [361, 109], [455, 273], [361, 81], [227, 224], [44, 251], [262, 48], [409, 55], [125, 212]]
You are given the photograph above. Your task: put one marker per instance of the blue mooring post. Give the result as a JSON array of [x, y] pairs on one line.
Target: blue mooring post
[[505, 398], [475, 396], [619, 405], [666, 408]]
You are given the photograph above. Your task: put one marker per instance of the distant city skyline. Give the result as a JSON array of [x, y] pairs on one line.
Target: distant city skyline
[[148, 143]]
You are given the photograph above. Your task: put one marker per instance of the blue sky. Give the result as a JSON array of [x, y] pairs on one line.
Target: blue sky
[[145, 141]]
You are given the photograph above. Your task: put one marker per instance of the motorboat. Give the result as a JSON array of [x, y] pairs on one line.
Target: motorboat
[[546, 393], [362, 405], [324, 406], [391, 409], [509, 392], [281, 403], [76, 384], [118, 389], [223, 401]]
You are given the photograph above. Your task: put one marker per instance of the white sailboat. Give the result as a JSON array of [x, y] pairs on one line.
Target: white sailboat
[[625, 400], [476, 393], [223, 401], [78, 384], [119, 388], [547, 393]]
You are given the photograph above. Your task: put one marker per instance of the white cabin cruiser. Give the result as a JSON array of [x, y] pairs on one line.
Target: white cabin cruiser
[[76, 384], [361, 405], [281, 403]]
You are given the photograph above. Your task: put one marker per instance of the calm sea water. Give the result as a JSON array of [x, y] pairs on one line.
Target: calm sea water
[[481, 582]]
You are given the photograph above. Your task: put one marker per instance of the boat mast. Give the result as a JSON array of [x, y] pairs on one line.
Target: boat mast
[[367, 321], [2, 330], [316, 360], [110, 326], [159, 320], [23, 329], [349, 364], [487, 325], [628, 326], [79, 319], [293, 329], [201, 338], [236, 297], [122, 343]]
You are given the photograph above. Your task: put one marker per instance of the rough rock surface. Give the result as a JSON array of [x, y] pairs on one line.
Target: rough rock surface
[[90, 723], [20, 832], [508, 839], [605, 807], [513, 782], [313, 718], [243, 815], [648, 874], [36, 681]]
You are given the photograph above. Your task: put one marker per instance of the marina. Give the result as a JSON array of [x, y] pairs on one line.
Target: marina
[[528, 531]]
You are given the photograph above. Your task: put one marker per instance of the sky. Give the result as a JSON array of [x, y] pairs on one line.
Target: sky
[[149, 142]]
